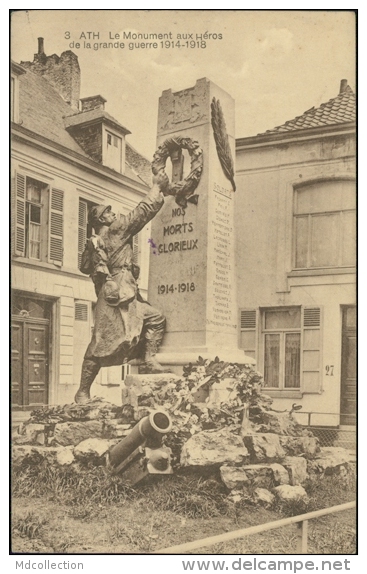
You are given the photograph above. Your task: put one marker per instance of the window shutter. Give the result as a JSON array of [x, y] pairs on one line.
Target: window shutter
[[248, 322], [311, 350], [82, 228], [19, 212], [136, 249], [56, 226]]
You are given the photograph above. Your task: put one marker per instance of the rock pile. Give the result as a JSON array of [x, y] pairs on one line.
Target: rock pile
[[221, 420], [64, 434]]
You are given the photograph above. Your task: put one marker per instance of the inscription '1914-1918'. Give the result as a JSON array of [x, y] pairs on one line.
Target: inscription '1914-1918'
[[179, 288]]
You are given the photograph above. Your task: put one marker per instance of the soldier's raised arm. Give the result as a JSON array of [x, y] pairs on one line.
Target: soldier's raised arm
[[133, 222]]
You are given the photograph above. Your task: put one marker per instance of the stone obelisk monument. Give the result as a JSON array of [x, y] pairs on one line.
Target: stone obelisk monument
[[192, 275]]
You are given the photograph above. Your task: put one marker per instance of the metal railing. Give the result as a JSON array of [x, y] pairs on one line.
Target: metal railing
[[301, 520]]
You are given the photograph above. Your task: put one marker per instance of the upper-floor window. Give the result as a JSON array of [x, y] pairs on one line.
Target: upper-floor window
[[36, 197], [325, 225], [113, 149], [37, 219]]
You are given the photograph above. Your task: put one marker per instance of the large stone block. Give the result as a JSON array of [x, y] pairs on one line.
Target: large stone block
[[330, 460], [260, 475], [144, 390], [263, 496], [297, 469], [303, 445], [280, 473], [268, 421], [213, 448], [286, 492], [153, 381], [115, 429], [65, 456], [264, 447], [30, 433], [72, 433], [32, 455], [234, 477], [95, 408], [91, 450]]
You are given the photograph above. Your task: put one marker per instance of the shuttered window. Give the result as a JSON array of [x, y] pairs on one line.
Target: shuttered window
[[19, 210], [282, 347], [56, 226], [37, 220], [311, 350], [84, 229], [248, 322], [289, 346]]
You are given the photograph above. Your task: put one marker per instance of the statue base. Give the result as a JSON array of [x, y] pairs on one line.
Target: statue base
[[176, 360]]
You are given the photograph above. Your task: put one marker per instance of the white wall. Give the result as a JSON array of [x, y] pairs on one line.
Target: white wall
[[266, 176]]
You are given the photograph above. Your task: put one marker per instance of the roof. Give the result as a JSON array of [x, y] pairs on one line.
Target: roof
[[139, 163], [338, 110], [17, 69], [43, 111], [92, 116]]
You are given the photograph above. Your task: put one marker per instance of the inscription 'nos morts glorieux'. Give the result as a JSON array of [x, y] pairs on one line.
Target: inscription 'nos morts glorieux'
[[178, 229], [222, 242]]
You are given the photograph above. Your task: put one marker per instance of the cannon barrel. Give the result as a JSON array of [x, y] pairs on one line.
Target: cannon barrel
[[150, 429]]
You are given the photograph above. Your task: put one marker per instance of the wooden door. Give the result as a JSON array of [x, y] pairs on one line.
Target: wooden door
[[348, 401], [30, 359], [16, 364], [35, 389]]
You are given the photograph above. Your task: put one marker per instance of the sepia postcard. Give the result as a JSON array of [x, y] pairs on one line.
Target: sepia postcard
[[183, 307]]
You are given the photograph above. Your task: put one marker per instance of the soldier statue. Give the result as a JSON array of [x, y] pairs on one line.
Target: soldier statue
[[125, 325]]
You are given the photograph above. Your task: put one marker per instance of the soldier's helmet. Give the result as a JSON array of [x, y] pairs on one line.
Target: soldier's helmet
[[96, 212]]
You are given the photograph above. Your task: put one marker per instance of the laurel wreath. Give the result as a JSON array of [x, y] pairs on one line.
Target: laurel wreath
[[222, 142], [182, 190]]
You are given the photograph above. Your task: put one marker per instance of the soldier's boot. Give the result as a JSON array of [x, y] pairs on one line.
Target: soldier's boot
[[151, 364], [90, 370]]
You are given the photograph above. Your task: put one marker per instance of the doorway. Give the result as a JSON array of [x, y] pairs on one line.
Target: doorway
[[348, 400], [30, 344]]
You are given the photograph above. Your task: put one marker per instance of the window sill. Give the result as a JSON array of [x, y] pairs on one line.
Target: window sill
[[323, 271], [282, 394], [35, 264]]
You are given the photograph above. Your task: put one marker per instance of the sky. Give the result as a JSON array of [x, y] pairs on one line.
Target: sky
[[275, 64]]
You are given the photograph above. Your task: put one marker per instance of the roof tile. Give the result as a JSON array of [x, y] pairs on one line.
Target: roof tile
[[336, 111]]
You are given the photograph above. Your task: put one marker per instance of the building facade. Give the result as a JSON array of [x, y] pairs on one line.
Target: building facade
[[67, 155], [296, 257]]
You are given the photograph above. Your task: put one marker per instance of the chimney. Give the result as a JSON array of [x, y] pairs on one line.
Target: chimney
[[343, 86], [40, 46], [92, 103], [62, 72]]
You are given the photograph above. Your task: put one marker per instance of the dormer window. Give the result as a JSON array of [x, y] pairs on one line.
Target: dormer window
[[113, 157], [99, 134]]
